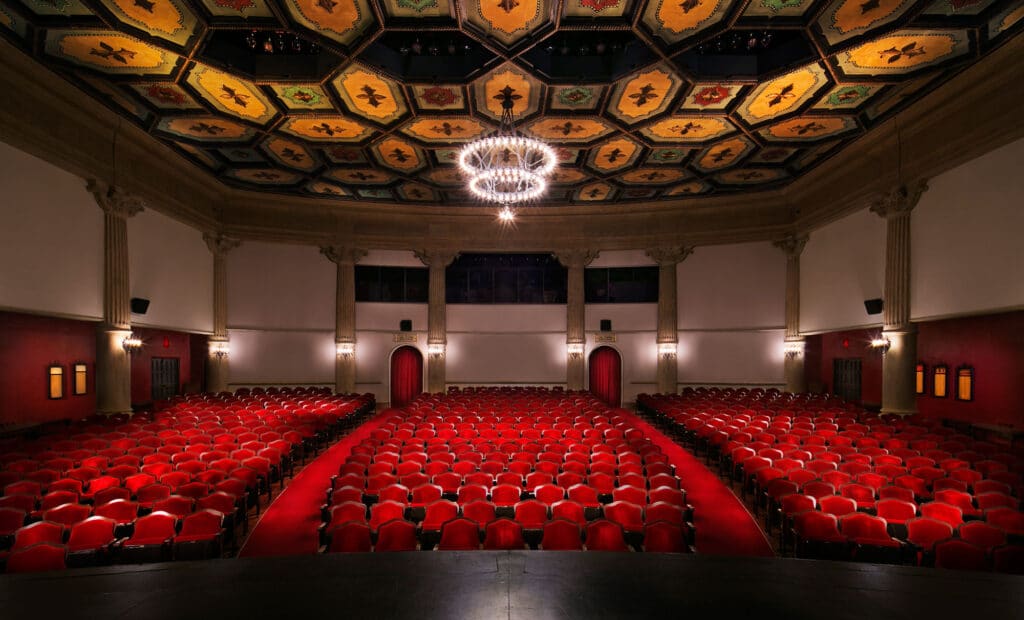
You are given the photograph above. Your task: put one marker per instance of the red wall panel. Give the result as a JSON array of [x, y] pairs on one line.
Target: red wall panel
[[28, 345], [852, 344]]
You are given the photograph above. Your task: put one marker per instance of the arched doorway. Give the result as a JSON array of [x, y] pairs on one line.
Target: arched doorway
[[606, 375], [406, 375]]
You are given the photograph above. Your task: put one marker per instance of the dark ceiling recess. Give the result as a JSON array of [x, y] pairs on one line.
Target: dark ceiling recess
[[410, 55], [743, 53], [591, 56], [270, 54]]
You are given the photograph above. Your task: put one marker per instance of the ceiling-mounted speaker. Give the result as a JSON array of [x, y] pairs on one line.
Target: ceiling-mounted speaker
[[139, 305], [606, 325], [873, 306], [405, 325]]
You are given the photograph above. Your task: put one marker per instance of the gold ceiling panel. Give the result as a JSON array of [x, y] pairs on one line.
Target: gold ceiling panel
[[327, 189], [360, 176], [594, 192], [417, 192], [399, 155], [291, 154], [688, 129], [206, 128], [904, 51], [750, 176], [569, 129], [686, 189], [343, 21], [265, 176], [613, 155], [371, 95], [846, 19], [783, 95], [723, 154], [511, 83], [231, 95], [170, 20], [110, 52], [417, 8], [507, 21], [673, 21], [327, 129], [238, 8], [444, 129], [653, 176], [809, 128], [645, 95]]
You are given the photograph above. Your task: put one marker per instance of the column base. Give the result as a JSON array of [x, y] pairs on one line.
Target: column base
[[113, 372], [898, 372]]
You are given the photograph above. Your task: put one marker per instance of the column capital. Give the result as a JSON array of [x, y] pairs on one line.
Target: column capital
[[342, 254], [793, 245], [436, 257], [113, 200], [220, 244], [669, 255], [900, 201], [576, 257]]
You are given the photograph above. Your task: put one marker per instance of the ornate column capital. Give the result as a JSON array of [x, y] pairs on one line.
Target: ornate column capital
[[342, 254], [669, 255], [220, 244], [576, 257], [900, 201], [437, 257], [113, 200], [793, 245]]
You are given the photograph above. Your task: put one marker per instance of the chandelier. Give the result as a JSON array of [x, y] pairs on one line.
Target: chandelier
[[505, 167]]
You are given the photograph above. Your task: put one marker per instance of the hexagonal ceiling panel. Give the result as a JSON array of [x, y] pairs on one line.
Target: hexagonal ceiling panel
[[370, 100]]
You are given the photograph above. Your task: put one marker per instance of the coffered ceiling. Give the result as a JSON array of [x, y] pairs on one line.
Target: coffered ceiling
[[370, 100]]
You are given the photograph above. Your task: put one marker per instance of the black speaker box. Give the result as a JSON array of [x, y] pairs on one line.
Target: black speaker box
[[139, 305], [405, 325], [873, 306], [606, 325]]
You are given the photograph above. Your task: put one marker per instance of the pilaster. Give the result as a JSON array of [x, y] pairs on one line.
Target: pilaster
[[793, 366], [217, 365], [575, 260], [437, 330], [668, 330], [345, 258]]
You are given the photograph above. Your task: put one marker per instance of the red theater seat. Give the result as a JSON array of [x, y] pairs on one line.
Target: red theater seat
[[37, 558], [604, 535], [561, 535], [459, 535], [351, 537], [396, 535], [151, 540], [663, 537], [960, 555], [90, 541], [504, 534]]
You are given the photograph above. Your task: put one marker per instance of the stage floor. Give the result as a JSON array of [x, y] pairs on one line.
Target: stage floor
[[528, 585]]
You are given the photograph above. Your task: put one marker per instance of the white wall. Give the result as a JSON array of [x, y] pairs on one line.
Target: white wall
[[967, 253], [281, 357], [732, 286], [376, 327], [278, 286], [170, 265], [51, 239], [842, 265]]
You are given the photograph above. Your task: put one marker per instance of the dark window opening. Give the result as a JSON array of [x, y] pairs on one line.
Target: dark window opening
[[392, 284], [505, 279], [621, 285]]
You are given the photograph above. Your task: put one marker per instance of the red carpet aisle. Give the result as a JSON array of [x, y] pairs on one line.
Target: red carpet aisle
[[724, 526], [289, 525]]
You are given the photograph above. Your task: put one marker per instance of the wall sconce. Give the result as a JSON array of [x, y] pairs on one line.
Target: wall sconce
[[131, 343], [667, 349], [793, 348], [881, 343], [435, 349], [574, 349], [220, 348], [346, 349]]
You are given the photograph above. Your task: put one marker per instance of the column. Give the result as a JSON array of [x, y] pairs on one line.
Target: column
[[217, 370], [668, 332], [793, 368], [345, 258], [437, 328], [113, 362], [900, 358], [575, 260]]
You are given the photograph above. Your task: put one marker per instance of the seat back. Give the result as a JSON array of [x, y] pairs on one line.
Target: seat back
[[157, 524], [351, 537], [664, 537], [92, 533], [205, 522], [605, 535], [37, 558], [459, 535], [561, 535], [504, 534], [396, 535], [960, 555]]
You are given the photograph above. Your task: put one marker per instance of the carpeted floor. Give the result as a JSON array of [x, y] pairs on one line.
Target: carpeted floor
[[289, 525], [724, 525]]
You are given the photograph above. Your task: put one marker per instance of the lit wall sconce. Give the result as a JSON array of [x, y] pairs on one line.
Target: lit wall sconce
[[667, 349], [346, 349], [220, 348], [131, 343], [793, 348], [574, 349], [435, 349], [881, 343]]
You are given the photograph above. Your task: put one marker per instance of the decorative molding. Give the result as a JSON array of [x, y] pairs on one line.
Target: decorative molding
[[793, 245], [220, 244], [342, 254], [405, 338], [114, 200], [576, 258], [669, 255], [900, 201], [436, 258]]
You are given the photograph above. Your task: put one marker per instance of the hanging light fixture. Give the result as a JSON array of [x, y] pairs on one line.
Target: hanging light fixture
[[506, 167]]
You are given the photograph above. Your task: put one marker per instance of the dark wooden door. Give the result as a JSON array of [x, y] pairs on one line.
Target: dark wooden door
[[164, 377], [846, 379]]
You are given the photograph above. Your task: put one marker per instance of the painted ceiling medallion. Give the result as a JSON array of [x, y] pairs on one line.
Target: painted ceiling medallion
[[55, 8], [118, 97], [594, 192], [567, 176], [238, 8], [265, 176], [508, 21], [291, 154], [645, 95], [360, 176], [693, 187], [772, 155], [417, 8], [847, 96], [571, 129], [676, 20], [597, 8], [439, 97], [749, 176], [166, 95], [845, 19], [345, 155], [904, 51], [1004, 20], [575, 97], [343, 21], [782, 95], [170, 20], [653, 176], [688, 129], [444, 129], [445, 176], [950, 8], [613, 155], [326, 189], [723, 154], [417, 192], [777, 8], [326, 129], [109, 52], [230, 94], [205, 128], [513, 83], [198, 154], [667, 155], [370, 95], [707, 96], [303, 96], [398, 154], [807, 128]]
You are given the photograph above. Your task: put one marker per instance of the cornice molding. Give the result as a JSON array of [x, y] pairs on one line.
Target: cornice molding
[[114, 200], [576, 257], [900, 201], [220, 244], [342, 254], [669, 256], [793, 245]]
